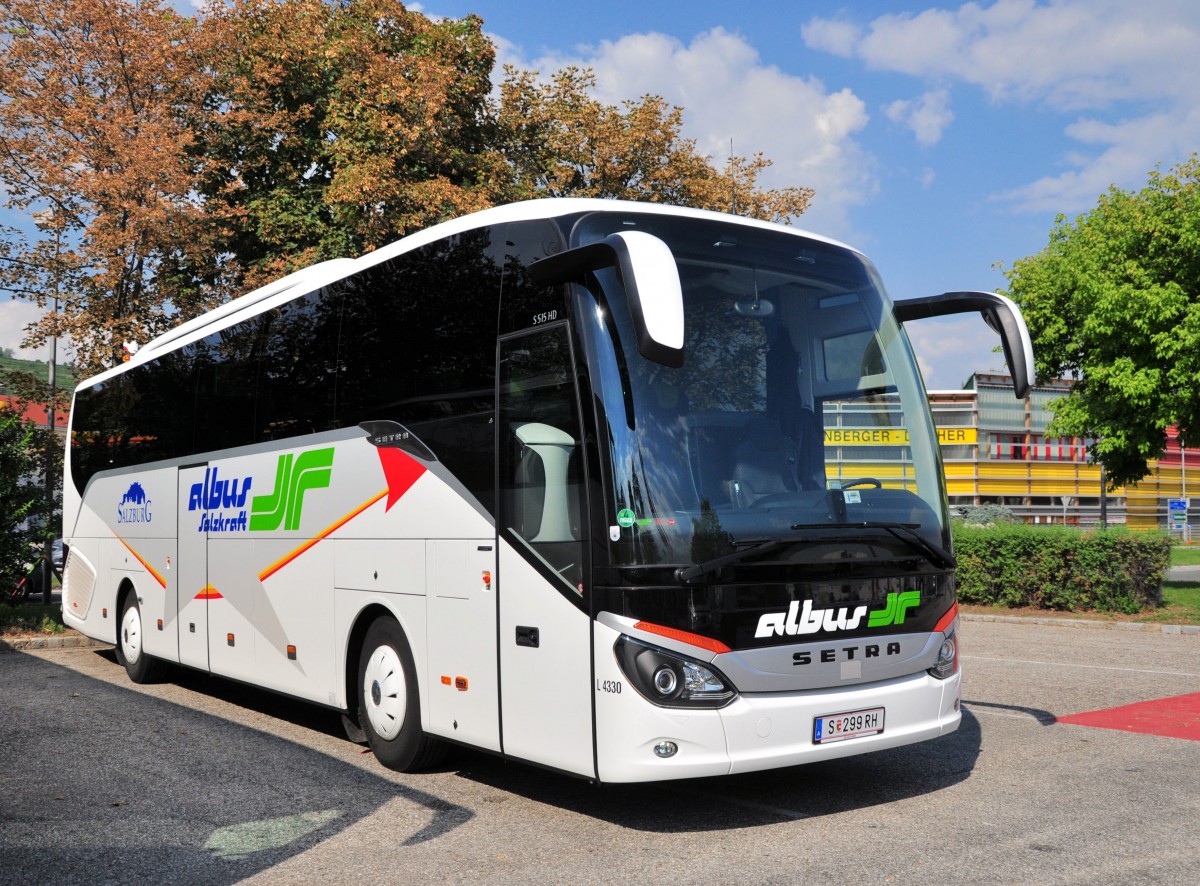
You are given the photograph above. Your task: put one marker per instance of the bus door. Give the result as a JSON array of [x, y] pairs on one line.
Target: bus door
[[191, 572], [544, 636]]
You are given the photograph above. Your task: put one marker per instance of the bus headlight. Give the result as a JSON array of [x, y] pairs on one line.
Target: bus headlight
[[947, 660], [669, 679]]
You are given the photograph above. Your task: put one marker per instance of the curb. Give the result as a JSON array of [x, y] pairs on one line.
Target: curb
[[25, 644], [1086, 623]]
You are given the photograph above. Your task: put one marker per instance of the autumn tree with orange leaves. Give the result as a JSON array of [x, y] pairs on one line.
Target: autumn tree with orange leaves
[[155, 164], [95, 167], [562, 142]]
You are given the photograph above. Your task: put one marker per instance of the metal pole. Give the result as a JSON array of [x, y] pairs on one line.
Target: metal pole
[[1187, 534], [1103, 498], [48, 550]]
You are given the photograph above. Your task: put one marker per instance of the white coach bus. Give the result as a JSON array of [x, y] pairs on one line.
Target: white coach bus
[[571, 481]]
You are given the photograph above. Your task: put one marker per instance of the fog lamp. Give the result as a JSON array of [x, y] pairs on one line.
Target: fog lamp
[[665, 749]]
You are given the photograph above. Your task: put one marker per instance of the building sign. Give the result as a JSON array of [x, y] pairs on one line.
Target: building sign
[[950, 436]]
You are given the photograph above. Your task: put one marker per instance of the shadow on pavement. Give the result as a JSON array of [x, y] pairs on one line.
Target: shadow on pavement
[[751, 800], [104, 784]]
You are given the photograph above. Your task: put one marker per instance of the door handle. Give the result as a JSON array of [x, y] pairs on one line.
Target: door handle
[[528, 636]]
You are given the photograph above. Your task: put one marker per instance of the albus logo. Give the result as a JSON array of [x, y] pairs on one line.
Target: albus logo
[[134, 506], [222, 501]]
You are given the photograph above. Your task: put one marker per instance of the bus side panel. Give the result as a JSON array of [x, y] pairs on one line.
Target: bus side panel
[[86, 615], [126, 531], [628, 726], [464, 691], [190, 575], [294, 646], [545, 699]]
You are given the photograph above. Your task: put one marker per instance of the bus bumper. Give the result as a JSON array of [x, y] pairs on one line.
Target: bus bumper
[[773, 730]]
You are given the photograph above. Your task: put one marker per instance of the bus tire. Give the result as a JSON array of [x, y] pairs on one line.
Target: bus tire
[[389, 704], [140, 667]]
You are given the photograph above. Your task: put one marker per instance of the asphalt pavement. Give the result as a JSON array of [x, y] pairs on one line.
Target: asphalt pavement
[[198, 780]]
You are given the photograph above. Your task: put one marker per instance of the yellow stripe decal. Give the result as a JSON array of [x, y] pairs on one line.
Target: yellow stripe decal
[[157, 577]]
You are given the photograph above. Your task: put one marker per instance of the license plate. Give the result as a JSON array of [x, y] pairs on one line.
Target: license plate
[[852, 724]]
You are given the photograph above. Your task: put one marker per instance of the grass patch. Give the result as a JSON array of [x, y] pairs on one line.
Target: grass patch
[[1185, 555], [1180, 606], [30, 618]]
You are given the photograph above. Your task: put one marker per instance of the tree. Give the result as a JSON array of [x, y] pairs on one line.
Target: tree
[[96, 99], [1113, 301], [335, 128], [163, 163], [19, 496], [562, 142]]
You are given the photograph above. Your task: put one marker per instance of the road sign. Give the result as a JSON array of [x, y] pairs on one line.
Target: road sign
[[1177, 509]]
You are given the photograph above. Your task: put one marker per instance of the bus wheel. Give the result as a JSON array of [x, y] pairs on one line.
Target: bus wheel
[[140, 667], [389, 706]]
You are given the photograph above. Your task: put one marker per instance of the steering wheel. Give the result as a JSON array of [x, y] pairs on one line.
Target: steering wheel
[[861, 481]]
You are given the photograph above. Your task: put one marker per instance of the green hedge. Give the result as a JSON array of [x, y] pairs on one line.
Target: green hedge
[[1061, 568]]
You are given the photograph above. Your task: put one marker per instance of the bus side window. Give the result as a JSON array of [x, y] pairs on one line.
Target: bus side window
[[297, 366], [418, 347], [524, 304]]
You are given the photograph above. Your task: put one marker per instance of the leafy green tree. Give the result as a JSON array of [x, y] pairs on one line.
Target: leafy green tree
[[19, 495], [1113, 301]]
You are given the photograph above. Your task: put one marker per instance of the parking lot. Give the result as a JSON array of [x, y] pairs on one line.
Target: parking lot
[[203, 781]]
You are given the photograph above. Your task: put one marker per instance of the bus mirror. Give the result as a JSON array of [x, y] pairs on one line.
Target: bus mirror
[[1000, 313], [652, 288]]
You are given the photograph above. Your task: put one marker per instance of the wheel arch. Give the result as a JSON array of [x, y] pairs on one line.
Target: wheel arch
[[124, 588], [354, 643]]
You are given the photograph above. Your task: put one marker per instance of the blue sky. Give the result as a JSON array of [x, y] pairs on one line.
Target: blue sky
[[942, 138]]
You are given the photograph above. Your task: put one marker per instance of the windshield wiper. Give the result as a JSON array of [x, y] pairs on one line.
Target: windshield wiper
[[689, 574], [905, 532]]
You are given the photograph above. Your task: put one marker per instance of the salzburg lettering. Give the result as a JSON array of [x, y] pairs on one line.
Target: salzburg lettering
[[134, 506]]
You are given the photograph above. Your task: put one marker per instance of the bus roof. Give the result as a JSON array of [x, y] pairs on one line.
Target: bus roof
[[323, 273]]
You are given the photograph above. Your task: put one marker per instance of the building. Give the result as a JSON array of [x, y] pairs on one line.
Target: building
[[35, 413], [996, 451]]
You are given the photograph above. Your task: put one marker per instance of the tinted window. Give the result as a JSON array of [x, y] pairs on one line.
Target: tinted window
[[226, 376], [298, 366], [144, 415], [418, 348], [412, 340]]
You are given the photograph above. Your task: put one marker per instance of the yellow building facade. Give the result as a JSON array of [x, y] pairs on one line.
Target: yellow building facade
[[996, 452]]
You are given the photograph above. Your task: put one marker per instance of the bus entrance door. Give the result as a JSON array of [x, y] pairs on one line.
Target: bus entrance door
[[545, 652], [191, 574]]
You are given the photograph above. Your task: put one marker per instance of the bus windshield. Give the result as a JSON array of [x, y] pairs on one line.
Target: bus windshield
[[798, 413]]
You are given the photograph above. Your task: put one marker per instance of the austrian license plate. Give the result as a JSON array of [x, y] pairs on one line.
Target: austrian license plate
[[852, 724]]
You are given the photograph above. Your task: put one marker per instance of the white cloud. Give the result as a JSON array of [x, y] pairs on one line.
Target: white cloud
[[1091, 58], [832, 36], [1072, 54], [1129, 150], [14, 317], [728, 93], [949, 349], [927, 116]]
